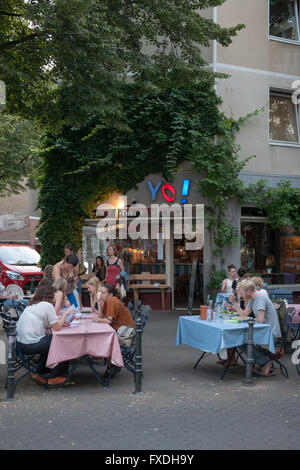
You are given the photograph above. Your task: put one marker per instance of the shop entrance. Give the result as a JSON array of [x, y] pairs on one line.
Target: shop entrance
[[183, 264]]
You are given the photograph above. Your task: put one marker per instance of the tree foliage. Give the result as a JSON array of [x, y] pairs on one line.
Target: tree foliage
[[64, 61], [281, 203], [19, 140], [159, 131]]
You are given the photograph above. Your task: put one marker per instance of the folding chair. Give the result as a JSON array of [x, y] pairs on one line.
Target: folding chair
[[128, 354], [294, 328], [11, 312], [280, 346], [29, 362]]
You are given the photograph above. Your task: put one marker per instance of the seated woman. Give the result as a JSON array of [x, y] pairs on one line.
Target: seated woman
[[94, 290], [227, 283], [60, 298], [33, 337], [112, 312], [259, 285]]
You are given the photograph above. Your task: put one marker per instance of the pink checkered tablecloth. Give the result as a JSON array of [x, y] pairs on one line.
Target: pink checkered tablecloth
[[86, 338], [296, 318]]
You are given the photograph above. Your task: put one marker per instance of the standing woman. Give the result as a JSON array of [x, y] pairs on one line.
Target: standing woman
[[113, 267], [99, 268]]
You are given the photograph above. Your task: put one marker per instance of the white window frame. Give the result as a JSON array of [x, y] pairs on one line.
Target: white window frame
[[287, 41], [283, 143]]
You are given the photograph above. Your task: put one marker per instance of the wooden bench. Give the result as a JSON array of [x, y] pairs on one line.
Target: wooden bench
[[148, 281]]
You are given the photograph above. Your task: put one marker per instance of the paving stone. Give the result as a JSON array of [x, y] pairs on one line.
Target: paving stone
[[180, 408]]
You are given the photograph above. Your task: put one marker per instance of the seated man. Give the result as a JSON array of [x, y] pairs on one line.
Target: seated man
[[264, 312], [112, 311]]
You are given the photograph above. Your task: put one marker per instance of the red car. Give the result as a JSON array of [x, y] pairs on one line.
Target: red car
[[19, 267]]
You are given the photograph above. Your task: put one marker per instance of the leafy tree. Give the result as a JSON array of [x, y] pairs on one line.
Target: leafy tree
[[19, 140], [64, 61]]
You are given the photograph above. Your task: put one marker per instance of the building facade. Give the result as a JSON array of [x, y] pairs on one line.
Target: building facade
[[263, 68]]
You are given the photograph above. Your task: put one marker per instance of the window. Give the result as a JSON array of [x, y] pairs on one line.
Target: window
[[284, 19], [283, 118], [273, 254]]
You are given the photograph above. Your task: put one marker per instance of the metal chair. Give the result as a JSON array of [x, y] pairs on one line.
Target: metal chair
[[11, 312], [29, 362], [294, 328], [280, 346], [128, 354]]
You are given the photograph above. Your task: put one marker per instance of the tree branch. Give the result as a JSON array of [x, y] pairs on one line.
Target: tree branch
[[6, 13], [16, 42]]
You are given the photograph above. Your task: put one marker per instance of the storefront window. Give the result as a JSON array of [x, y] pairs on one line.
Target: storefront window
[[274, 254], [257, 246], [142, 256], [290, 255]]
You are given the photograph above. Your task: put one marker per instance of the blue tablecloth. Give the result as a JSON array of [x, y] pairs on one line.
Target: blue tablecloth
[[213, 337]]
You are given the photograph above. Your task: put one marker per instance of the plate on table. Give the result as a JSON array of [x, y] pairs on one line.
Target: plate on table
[[13, 290]]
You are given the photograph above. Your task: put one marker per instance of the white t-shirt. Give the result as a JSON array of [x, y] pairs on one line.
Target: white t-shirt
[[228, 286], [34, 322]]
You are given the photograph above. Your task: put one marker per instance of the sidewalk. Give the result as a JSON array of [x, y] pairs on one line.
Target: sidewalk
[[181, 408]]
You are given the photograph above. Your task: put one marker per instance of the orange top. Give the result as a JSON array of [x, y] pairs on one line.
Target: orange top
[[116, 310]]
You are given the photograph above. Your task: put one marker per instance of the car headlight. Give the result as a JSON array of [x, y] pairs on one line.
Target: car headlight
[[14, 276]]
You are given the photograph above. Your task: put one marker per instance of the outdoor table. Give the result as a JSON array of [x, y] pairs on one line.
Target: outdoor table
[[85, 339], [212, 337]]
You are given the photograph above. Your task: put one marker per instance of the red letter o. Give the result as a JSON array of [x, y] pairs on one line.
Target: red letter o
[[171, 189]]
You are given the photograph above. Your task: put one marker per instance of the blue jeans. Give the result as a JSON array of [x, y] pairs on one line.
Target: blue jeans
[[10, 303], [42, 348], [259, 357]]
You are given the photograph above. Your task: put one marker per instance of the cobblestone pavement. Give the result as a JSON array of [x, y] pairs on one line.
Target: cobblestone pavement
[[180, 409]]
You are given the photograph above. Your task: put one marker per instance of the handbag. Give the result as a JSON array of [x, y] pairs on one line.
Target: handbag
[[126, 335]]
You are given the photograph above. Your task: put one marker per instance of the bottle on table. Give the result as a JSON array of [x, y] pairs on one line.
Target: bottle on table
[[209, 313]]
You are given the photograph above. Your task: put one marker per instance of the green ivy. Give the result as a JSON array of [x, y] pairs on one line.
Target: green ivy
[[82, 166], [281, 204]]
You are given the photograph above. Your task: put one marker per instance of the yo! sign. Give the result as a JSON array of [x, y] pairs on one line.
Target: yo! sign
[[168, 191]]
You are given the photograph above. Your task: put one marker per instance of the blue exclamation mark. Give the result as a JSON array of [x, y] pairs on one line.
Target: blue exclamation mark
[[185, 190]]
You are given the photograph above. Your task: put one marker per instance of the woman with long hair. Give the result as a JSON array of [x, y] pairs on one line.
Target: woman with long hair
[[94, 290], [32, 333], [60, 297], [99, 268], [47, 273]]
